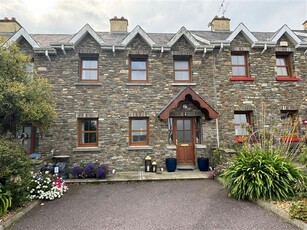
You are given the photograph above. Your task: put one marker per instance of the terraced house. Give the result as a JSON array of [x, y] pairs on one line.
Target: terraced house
[[121, 96]]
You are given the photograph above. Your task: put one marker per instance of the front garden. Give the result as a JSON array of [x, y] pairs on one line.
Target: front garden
[[268, 170]]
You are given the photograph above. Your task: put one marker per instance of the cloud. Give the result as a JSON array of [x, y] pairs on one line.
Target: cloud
[[69, 16]]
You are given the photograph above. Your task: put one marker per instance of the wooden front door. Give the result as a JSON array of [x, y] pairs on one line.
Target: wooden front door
[[184, 134]]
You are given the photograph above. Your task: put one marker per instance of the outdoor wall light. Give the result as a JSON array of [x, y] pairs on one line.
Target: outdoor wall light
[[148, 164]]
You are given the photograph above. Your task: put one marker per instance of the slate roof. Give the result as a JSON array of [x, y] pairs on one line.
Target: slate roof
[[162, 39]]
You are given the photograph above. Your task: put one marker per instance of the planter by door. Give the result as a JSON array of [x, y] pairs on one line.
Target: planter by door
[[171, 164], [203, 163]]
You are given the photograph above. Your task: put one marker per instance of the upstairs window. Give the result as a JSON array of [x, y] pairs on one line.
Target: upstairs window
[[138, 70], [239, 65], [283, 65], [138, 131], [182, 69], [88, 132], [243, 124], [89, 68]]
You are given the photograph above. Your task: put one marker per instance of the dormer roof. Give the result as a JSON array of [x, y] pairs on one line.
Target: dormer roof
[[87, 29], [138, 31], [241, 28], [285, 30], [22, 33], [183, 32]]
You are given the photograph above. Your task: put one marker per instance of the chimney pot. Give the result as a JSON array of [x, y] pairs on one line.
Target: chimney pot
[[220, 24], [9, 25], [118, 24]]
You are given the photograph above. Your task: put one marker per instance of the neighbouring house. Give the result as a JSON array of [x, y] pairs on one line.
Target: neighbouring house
[[121, 95]]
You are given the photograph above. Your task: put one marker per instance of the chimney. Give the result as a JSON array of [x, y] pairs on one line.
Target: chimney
[[305, 25], [220, 24], [7, 25], [118, 24]]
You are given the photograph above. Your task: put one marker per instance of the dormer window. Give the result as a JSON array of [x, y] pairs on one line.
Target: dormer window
[[182, 69], [89, 70], [239, 67], [138, 70], [284, 67]]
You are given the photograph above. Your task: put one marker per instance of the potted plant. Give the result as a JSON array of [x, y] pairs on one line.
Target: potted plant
[[89, 170], [171, 164], [203, 163], [77, 172], [102, 171]]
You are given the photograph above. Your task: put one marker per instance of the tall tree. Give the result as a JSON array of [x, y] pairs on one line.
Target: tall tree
[[25, 98]]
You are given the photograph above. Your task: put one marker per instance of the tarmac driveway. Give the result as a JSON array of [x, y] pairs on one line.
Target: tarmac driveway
[[198, 204]]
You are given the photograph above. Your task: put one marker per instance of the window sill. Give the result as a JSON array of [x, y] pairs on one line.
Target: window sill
[[182, 83], [240, 139], [200, 146], [139, 83], [86, 149], [287, 79], [290, 139], [140, 147], [88, 84], [242, 79], [171, 147]]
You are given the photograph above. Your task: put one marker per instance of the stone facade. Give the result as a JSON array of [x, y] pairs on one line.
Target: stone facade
[[114, 99]]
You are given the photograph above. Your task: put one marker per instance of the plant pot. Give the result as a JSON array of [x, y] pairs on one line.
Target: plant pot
[[171, 164], [103, 176], [203, 163]]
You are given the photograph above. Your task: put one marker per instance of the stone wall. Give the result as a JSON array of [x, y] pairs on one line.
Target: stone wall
[[113, 100]]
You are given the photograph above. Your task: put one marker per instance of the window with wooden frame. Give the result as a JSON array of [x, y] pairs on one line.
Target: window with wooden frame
[[138, 131], [283, 65], [182, 69], [88, 132], [89, 68], [138, 68], [239, 66], [290, 124], [243, 124]]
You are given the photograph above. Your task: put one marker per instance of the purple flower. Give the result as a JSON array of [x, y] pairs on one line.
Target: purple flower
[[89, 170], [76, 171], [102, 170]]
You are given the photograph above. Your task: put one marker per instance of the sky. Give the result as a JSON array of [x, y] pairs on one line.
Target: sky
[[165, 16]]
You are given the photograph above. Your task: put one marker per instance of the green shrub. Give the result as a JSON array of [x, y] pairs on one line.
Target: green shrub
[[5, 200], [15, 171], [303, 156], [298, 210], [261, 174]]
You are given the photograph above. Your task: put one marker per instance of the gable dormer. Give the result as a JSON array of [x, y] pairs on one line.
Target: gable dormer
[[140, 35], [183, 39], [23, 34], [285, 35], [85, 32], [240, 33]]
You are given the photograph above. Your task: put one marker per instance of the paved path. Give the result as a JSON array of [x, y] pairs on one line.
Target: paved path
[[197, 204]]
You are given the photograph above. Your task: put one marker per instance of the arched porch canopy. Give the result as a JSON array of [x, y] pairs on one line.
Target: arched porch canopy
[[188, 93]]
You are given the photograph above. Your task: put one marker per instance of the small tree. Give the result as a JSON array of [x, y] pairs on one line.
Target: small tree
[[24, 98]]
